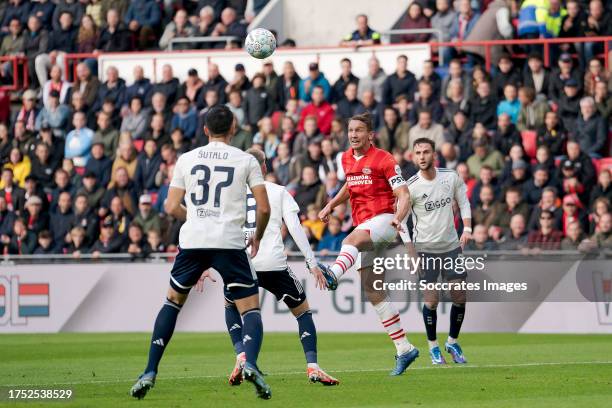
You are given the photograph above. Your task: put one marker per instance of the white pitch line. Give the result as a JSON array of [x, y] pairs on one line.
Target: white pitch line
[[372, 370]]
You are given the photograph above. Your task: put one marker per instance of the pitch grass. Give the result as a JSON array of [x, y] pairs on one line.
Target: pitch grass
[[504, 370]]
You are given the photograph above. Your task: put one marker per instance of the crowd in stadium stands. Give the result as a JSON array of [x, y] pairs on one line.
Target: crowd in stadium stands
[[86, 165]]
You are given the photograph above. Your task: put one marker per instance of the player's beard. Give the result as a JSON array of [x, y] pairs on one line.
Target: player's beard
[[427, 166]]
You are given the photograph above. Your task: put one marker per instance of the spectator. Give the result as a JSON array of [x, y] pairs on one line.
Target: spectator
[[11, 192], [603, 189], [230, 26], [534, 186], [346, 77], [481, 241], [147, 167], [572, 25], [426, 101], [240, 82], [512, 205], [22, 242], [516, 237], [54, 116], [45, 244], [147, 217], [94, 9], [333, 236], [61, 220], [113, 88], [78, 244], [215, 82], [460, 132], [267, 138], [455, 101], [484, 212], [179, 27], [494, 24], [373, 81], [282, 164], [572, 212], [168, 86], [135, 244], [113, 37], [372, 106], [142, 18], [86, 84], [109, 241], [36, 220], [88, 35], [362, 36], [287, 86], [192, 87], [426, 128], [205, 25], [62, 184], [23, 138], [536, 76], [430, 75], [581, 162], [91, 190], [16, 9], [483, 107], [20, 164], [533, 16], [84, 217], [137, 119], [28, 112], [12, 44], [126, 158], [349, 105], [401, 82], [55, 83], [75, 8], [308, 135], [154, 242], [533, 112], [484, 155], [309, 192], [603, 101], [257, 103], [185, 118], [107, 135], [393, 133], [315, 79], [591, 129], [7, 218], [601, 239], [548, 201], [43, 10], [505, 75], [123, 188], [320, 109], [600, 207], [99, 164], [598, 23], [235, 105], [78, 141], [573, 237], [42, 167], [594, 74], [414, 20], [506, 135], [443, 20], [510, 105], [62, 41]]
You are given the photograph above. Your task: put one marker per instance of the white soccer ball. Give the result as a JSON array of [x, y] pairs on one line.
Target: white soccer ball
[[260, 43]]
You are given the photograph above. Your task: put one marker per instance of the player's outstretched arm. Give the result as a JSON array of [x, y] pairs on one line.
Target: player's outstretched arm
[[173, 203], [341, 197], [262, 216], [402, 206]]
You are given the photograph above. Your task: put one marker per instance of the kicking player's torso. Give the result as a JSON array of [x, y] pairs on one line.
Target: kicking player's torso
[[432, 211], [368, 183], [215, 178], [271, 255]]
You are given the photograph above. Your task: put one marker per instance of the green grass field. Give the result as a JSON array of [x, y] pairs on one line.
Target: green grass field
[[504, 370]]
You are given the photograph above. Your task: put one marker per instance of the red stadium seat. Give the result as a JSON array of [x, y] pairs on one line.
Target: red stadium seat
[[529, 142], [153, 197], [603, 164], [138, 145], [79, 170]]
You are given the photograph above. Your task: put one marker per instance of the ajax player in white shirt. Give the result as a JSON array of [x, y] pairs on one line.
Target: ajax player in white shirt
[[213, 181], [274, 275], [432, 194]]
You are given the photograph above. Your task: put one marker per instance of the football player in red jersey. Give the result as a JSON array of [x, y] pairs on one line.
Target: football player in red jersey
[[380, 201]]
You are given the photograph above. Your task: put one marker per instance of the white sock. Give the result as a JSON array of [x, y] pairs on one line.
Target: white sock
[[313, 365], [433, 344], [450, 340], [390, 319], [346, 259]]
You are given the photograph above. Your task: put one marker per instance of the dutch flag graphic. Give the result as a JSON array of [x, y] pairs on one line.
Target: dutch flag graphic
[[33, 299]]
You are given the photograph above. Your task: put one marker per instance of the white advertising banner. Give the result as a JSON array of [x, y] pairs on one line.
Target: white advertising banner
[[125, 297]]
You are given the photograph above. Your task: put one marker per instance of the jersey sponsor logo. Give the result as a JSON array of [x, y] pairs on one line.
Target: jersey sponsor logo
[[353, 180], [434, 205], [367, 170], [205, 212]]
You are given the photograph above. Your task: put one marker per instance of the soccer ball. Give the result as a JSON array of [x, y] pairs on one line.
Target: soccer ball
[[260, 43]]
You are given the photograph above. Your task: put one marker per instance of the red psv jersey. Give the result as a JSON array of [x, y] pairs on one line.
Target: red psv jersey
[[371, 180]]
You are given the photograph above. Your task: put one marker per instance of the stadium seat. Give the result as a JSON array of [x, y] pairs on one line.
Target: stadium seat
[[603, 164], [529, 142], [138, 145]]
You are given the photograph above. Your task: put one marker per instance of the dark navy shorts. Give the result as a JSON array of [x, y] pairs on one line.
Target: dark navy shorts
[[282, 284], [233, 265], [435, 264]]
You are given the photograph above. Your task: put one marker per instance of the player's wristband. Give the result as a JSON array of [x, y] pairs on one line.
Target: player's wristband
[[467, 229]]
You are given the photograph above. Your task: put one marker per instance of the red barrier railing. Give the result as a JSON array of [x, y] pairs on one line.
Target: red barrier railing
[[21, 79], [75, 58]]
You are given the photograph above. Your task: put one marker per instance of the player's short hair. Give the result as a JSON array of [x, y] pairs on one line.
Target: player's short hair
[[365, 118], [219, 120], [424, 140], [258, 154]]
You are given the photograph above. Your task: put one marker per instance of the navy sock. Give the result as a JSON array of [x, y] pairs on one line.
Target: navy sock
[[430, 317], [308, 336], [252, 334], [162, 333], [234, 326], [457, 313]]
